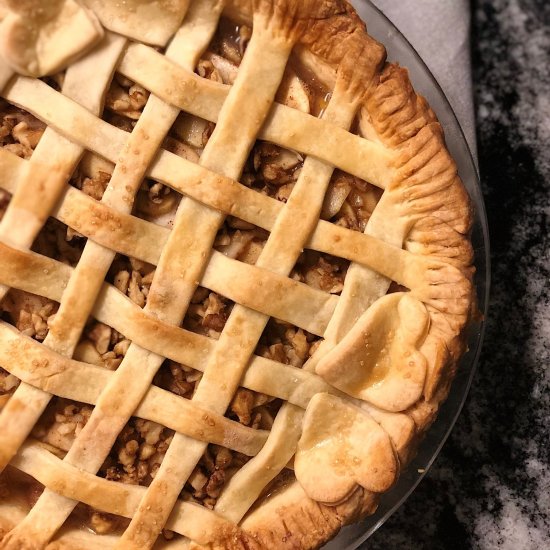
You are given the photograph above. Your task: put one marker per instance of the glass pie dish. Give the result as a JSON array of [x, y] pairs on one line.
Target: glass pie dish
[[326, 442], [401, 51]]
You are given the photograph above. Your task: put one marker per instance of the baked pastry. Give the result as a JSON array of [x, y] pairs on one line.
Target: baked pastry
[[235, 273]]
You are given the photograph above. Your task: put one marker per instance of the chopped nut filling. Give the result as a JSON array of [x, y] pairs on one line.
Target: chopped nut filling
[[285, 343], [61, 423], [207, 313], [126, 98], [138, 452], [59, 242], [102, 523], [132, 277], [29, 313], [20, 132], [94, 185], [211, 474], [8, 382], [178, 379]]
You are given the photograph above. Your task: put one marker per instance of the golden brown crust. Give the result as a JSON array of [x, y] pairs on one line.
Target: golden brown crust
[[289, 519], [5, 526], [333, 30]]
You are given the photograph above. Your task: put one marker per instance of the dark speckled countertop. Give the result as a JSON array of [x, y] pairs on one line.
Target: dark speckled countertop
[[490, 486]]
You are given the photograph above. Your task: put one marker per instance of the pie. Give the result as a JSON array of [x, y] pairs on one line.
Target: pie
[[235, 273]]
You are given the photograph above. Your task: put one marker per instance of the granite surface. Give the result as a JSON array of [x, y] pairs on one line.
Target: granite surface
[[490, 486]]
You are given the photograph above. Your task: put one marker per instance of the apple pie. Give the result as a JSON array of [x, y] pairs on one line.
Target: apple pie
[[235, 273]]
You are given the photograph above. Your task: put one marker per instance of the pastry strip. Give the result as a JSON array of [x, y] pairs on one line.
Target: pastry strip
[[254, 90], [108, 418], [65, 156], [266, 292], [246, 485], [144, 240], [285, 126], [188, 519], [342, 149], [40, 188], [42, 368]]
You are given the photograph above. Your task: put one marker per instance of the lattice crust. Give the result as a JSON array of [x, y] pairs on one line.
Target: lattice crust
[[383, 360]]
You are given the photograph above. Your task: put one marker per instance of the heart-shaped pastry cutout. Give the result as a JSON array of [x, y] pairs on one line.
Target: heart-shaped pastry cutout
[[150, 21], [40, 38], [342, 447], [379, 359]]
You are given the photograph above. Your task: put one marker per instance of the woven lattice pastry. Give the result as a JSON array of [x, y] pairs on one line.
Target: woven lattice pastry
[[235, 272]]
